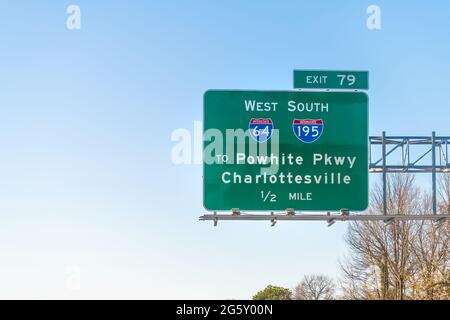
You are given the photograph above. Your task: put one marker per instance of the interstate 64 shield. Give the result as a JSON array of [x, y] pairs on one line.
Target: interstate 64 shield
[[273, 150]]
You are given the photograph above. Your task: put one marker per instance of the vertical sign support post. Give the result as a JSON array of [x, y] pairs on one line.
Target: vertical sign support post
[[383, 151], [433, 169]]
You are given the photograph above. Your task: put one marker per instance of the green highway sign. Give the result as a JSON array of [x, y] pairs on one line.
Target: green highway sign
[[274, 150], [318, 79]]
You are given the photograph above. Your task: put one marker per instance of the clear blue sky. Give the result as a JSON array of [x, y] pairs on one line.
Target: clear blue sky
[[86, 118]]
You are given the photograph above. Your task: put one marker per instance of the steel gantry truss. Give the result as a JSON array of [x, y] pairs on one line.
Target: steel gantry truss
[[419, 154], [388, 154]]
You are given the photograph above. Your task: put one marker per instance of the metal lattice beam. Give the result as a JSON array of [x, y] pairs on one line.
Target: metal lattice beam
[[412, 157]]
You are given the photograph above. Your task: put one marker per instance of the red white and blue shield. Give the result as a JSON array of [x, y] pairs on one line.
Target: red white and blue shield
[[307, 130], [260, 129]]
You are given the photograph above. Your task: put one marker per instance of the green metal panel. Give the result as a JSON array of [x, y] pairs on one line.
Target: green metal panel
[[341, 150], [318, 79]]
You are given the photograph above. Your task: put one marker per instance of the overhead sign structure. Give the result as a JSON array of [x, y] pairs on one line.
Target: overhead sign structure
[[274, 150], [318, 79]]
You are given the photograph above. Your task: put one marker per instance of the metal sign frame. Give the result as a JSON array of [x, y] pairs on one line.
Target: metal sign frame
[[438, 162]]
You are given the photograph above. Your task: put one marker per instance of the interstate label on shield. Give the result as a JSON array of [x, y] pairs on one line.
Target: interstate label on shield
[[307, 130], [260, 129]]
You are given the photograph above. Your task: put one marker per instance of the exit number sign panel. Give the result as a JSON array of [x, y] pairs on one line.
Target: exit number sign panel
[[318, 79], [273, 150]]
